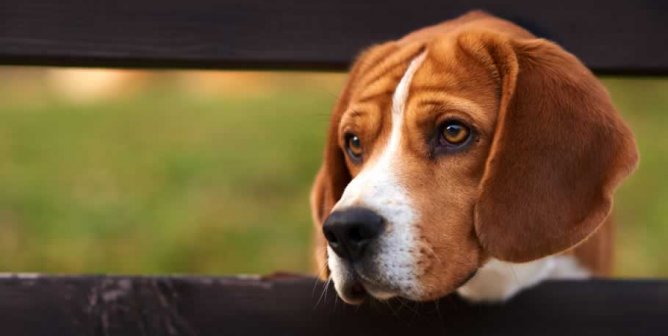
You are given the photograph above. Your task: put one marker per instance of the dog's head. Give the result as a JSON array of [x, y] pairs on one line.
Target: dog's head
[[463, 141]]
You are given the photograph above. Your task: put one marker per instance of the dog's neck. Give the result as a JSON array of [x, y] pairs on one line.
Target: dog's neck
[[498, 280]]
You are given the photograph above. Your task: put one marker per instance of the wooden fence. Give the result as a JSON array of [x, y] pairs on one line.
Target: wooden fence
[[612, 37], [292, 305]]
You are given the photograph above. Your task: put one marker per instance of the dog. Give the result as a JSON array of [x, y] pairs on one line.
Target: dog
[[470, 157]]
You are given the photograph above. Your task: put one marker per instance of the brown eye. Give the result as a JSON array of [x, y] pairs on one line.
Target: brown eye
[[354, 147], [455, 133]]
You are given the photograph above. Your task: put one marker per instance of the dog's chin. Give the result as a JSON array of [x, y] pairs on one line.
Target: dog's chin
[[356, 290], [354, 287]]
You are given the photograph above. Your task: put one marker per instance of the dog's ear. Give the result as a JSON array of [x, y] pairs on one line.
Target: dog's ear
[[334, 176], [558, 153]]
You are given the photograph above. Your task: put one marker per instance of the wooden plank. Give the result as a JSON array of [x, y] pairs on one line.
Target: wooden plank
[[614, 37], [288, 305]]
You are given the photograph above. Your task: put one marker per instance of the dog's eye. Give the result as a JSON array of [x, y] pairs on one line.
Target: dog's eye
[[454, 133], [354, 147]]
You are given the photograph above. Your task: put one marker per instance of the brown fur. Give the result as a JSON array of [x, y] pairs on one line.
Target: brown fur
[[539, 179]]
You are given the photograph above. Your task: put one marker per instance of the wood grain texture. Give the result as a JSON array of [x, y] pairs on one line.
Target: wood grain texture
[[612, 37], [291, 305]]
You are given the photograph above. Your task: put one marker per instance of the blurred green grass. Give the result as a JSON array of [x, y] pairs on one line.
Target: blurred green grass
[[164, 181], [641, 205]]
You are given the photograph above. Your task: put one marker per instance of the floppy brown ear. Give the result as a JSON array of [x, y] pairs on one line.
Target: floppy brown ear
[[559, 150]]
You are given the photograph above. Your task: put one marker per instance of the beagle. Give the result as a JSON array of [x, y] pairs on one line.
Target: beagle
[[468, 156]]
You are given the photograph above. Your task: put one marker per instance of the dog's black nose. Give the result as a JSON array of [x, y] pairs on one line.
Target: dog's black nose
[[350, 231]]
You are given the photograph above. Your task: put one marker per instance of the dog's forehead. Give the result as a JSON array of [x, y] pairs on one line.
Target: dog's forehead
[[378, 78], [443, 79], [381, 67]]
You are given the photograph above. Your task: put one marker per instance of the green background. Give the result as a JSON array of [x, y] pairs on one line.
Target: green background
[[164, 179]]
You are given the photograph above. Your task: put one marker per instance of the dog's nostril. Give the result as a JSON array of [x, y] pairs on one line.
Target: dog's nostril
[[330, 236], [350, 231]]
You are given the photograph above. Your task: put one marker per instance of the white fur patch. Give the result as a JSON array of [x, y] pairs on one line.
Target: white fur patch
[[499, 281], [377, 188]]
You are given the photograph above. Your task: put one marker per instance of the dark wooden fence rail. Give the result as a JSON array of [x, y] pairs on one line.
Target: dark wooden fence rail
[[612, 37], [297, 306]]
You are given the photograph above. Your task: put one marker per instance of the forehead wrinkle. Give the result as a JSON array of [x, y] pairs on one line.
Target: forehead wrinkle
[[446, 101], [394, 72], [361, 111], [383, 88], [395, 61], [351, 117], [400, 96]]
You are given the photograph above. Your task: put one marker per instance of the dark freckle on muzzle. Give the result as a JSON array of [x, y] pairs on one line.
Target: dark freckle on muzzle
[[350, 231]]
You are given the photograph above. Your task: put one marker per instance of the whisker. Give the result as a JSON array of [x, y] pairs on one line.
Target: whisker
[[389, 306], [416, 311], [329, 281], [317, 279], [323, 294]]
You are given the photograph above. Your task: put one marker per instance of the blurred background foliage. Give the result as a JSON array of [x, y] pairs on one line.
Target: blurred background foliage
[[109, 171]]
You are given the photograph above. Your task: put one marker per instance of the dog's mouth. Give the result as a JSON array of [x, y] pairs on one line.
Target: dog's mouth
[[358, 288], [354, 292]]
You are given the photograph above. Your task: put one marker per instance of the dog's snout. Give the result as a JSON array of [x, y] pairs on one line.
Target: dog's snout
[[350, 231]]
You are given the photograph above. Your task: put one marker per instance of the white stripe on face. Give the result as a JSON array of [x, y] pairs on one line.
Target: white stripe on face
[[377, 187]]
